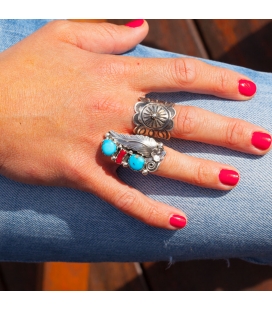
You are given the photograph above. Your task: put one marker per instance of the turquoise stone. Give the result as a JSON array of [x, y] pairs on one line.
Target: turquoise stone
[[136, 162], [108, 147]]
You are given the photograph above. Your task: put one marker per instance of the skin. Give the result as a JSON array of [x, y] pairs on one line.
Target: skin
[[63, 87]]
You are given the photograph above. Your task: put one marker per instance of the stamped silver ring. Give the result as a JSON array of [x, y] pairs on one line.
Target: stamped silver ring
[[154, 118], [138, 152]]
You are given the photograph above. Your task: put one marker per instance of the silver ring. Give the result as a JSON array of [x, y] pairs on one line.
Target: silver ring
[[138, 152], [154, 118]]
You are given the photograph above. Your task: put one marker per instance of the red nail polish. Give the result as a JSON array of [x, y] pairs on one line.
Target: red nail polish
[[135, 23], [261, 140], [247, 88], [178, 221], [228, 177]]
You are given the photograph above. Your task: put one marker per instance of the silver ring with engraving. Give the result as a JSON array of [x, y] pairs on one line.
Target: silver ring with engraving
[[138, 152], [154, 118]]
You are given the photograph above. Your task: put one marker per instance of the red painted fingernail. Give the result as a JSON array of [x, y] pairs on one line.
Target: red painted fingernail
[[261, 140], [135, 23], [228, 177], [247, 88], [178, 221]]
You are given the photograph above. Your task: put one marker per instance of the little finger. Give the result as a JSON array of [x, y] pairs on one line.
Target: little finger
[[134, 203]]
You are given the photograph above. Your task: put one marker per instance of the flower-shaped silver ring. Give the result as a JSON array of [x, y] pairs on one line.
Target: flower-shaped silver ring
[[153, 118]]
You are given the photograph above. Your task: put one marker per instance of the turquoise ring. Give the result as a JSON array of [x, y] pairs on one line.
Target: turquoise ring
[[138, 152]]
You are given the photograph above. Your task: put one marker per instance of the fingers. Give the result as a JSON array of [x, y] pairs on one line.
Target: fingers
[[135, 204], [197, 171], [192, 75], [192, 123], [101, 37]]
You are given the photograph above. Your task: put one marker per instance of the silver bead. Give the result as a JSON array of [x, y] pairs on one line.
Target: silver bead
[[144, 172]]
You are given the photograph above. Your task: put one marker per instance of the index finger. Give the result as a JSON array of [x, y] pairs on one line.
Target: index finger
[[192, 75]]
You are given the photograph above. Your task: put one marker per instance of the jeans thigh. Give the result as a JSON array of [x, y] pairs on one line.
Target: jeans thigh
[[59, 224]]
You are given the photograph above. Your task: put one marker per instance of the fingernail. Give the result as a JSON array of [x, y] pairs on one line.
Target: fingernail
[[247, 88], [261, 140], [135, 23], [228, 177], [178, 221]]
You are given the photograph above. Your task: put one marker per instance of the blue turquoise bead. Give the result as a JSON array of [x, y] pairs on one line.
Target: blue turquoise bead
[[136, 162], [108, 147]]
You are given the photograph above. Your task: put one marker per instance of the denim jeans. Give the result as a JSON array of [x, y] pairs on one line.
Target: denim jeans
[[59, 224]]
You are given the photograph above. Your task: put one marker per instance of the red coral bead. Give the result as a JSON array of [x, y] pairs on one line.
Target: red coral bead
[[120, 157]]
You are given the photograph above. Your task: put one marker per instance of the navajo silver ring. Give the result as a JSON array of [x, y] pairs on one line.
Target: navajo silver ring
[[138, 152], [154, 118]]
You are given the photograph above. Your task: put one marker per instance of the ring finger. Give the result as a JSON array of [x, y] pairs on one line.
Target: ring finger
[[196, 171]]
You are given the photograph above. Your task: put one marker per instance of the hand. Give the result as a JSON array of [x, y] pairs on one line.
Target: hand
[[63, 88]]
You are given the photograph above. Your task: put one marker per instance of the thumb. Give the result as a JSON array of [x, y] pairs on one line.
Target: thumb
[[104, 38]]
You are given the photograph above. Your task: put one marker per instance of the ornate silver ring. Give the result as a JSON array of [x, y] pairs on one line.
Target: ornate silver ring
[[154, 118], [138, 152]]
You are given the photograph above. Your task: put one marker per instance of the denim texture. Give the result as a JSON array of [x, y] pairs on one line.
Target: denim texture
[[58, 224]]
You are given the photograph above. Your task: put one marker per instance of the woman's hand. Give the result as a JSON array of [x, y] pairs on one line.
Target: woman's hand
[[62, 89]]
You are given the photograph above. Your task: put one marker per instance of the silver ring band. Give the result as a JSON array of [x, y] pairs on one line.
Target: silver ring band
[[138, 152], [154, 118]]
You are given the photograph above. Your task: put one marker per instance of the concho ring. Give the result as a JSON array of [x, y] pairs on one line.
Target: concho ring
[[154, 118]]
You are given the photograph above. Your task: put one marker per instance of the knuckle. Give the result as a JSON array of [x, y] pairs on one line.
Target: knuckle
[[152, 215], [108, 32], [72, 167], [222, 82], [114, 68], [170, 162], [183, 71], [235, 133], [201, 176], [187, 120], [63, 30], [59, 25], [127, 201], [34, 174], [106, 105]]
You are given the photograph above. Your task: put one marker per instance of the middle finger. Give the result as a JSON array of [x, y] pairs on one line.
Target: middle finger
[[193, 123]]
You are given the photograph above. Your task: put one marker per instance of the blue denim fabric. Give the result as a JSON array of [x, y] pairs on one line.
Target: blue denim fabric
[[59, 224]]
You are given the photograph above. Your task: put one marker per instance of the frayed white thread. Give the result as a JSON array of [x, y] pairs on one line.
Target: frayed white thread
[[170, 263], [166, 242], [228, 262]]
